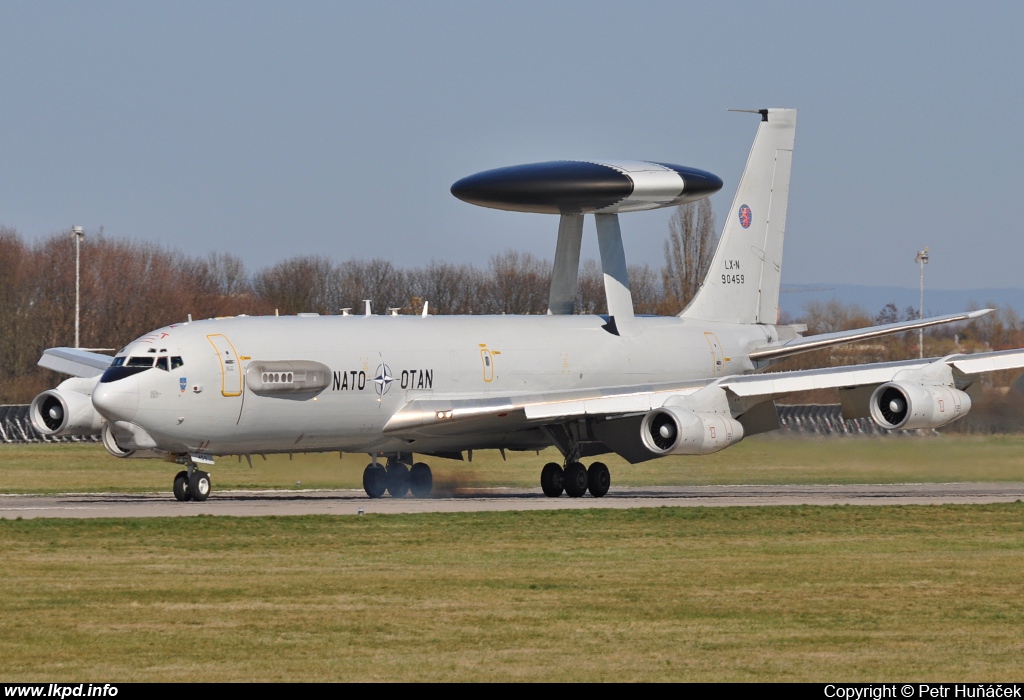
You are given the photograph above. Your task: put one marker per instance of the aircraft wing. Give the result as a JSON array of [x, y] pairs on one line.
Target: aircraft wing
[[76, 362], [824, 340], [465, 414]]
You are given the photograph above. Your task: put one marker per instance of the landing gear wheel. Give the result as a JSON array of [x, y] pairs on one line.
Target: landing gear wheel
[[575, 479], [421, 480], [375, 480], [181, 491], [398, 480], [199, 485], [598, 479], [551, 480]]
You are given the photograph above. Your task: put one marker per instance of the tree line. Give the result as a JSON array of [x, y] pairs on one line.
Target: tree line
[[128, 288], [131, 287]]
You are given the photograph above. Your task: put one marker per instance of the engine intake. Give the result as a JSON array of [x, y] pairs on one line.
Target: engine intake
[[675, 431], [64, 411], [904, 406]]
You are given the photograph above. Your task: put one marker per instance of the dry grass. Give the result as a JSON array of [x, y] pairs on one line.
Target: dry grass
[[748, 594], [758, 460]]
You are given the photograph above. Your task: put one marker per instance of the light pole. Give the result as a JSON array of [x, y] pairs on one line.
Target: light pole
[[922, 260], [78, 234]]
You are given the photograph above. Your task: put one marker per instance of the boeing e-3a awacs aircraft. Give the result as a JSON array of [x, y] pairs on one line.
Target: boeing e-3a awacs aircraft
[[392, 387]]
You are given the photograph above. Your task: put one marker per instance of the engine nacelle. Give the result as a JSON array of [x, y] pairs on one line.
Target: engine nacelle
[[127, 440], [670, 430], [901, 405], [66, 410], [112, 446]]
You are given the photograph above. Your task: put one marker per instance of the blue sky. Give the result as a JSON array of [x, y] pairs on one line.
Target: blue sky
[[275, 129]]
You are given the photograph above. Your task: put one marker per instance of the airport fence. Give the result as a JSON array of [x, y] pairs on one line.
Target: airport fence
[[827, 419], [806, 419]]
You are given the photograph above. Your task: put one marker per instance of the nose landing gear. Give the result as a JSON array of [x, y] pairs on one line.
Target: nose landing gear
[[192, 484]]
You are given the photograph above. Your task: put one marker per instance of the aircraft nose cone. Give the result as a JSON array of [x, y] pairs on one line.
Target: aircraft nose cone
[[117, 400]]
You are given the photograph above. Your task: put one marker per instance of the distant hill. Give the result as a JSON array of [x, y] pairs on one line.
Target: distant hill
[[936, 301]]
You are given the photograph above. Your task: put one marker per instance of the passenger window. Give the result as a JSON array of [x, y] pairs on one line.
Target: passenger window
[[140, 362], [176, 362], [161, 362]]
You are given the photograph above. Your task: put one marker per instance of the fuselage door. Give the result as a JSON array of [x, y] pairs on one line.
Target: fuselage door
[[230, 371], [717, 358]]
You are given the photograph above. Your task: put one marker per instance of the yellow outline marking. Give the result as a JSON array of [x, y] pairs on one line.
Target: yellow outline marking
[[223, 372]]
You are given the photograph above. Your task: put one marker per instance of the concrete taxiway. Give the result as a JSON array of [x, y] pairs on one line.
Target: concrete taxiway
[[352, 502]]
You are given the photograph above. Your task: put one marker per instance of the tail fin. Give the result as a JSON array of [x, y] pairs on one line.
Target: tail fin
[[742, 285]]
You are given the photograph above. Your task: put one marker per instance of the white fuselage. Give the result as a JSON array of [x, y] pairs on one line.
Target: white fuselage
[[378, 364]]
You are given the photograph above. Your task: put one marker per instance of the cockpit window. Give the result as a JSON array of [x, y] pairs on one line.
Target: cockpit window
[[140, 362], [176, 362], [118, 361], [161, 363]]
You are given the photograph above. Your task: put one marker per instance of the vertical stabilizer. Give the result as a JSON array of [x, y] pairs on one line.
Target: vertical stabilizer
[[743, 281]]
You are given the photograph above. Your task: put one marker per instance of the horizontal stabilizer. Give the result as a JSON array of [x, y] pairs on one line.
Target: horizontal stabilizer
[[76, 362], [825, 340]]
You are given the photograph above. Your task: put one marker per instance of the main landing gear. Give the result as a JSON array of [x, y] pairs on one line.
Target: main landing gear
[[398, 479], [192, 484], [575, 479]]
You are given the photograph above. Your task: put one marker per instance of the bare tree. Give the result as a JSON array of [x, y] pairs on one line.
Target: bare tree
[[519, 283], [590, 298], [302, 284], [377, 280], [692, 238], [645, 288], [450, 289]]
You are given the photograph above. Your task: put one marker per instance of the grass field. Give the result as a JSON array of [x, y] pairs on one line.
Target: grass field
[[757, 460], [699, 594], [696, 594]]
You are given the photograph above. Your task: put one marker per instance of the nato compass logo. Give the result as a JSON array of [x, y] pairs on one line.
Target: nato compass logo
[[183, 383], [745, 216], [382, 381]]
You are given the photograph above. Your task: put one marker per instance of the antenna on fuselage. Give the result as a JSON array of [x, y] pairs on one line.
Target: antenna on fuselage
[[425, 305], [572, 189], [344, 312], [367, 302]]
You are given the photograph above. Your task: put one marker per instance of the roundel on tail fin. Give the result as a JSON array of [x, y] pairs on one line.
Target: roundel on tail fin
[[745, 216]]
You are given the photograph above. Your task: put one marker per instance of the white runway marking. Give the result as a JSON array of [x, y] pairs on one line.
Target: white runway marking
[[348, 502]]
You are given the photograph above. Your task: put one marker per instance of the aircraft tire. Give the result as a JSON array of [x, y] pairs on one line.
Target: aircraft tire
[[181, 491], [398, 480], [199, 485], [375, 480], [552, 480], [599, 480], [575, 479], [421, 480]]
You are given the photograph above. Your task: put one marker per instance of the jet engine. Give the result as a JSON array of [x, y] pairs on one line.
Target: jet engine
[[66, 410], [901, 405], [112, 446], [670, 430]]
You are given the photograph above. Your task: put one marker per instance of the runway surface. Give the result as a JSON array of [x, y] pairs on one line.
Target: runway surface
[[351, 502]]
